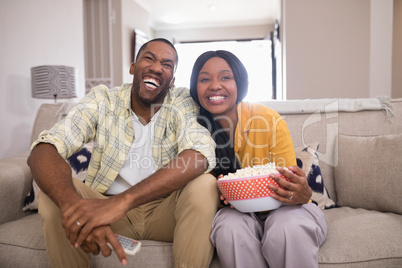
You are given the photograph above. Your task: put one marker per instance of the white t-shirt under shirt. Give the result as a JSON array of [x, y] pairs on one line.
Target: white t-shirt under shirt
[[139, 163]]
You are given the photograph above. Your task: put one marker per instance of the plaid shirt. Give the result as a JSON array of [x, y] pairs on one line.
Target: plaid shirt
[[103, 116]]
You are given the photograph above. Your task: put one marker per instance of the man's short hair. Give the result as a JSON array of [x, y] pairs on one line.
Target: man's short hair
[[158, 40]]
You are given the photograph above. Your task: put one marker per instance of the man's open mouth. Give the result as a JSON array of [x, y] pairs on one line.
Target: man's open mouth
[[151, 82]]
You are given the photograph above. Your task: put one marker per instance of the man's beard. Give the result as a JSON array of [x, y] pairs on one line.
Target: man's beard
[[146, 101]]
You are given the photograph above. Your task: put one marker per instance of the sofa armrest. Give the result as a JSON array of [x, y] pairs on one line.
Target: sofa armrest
[[15, 184]]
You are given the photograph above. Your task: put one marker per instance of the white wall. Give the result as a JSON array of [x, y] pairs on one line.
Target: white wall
[[217, 33], [328, 51], [381, 28], [133, 17], [33, 33], [337, 48], [397, 50], [327, 46]]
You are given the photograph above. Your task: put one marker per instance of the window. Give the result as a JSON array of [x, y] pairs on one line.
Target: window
[[255, 55]]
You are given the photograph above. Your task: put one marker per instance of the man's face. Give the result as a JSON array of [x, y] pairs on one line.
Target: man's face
[[154, 73]]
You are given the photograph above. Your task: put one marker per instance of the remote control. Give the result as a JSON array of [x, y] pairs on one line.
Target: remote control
[[130, 246]]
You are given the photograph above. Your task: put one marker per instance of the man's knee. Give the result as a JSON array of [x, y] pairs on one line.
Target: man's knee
[[203, 187], [204, 180], [47, 209], [200, 195]]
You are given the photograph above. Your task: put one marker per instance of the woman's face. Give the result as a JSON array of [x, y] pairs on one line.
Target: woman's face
[[216, 87]]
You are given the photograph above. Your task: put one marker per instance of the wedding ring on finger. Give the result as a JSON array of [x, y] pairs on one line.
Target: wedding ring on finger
[[78, 223], [291, 196]]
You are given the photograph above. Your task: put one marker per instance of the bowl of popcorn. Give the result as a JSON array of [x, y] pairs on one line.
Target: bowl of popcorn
[[247, 189]]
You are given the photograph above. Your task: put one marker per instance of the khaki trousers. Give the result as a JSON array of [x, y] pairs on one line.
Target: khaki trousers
[[184, 218]]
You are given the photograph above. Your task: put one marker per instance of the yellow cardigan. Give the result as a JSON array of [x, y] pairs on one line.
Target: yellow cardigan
[[262, 136]]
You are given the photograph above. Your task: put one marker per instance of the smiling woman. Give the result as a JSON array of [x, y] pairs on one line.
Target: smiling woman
[[255, 55]]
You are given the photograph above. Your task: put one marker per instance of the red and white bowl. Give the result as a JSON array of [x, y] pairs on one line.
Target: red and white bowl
[[250, 194]]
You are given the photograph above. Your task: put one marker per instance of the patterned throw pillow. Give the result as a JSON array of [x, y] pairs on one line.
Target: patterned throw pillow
[[307, 160], [79, 162], [79, 165]]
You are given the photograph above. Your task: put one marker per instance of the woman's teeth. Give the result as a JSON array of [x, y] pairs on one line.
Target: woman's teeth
[[217, 98]]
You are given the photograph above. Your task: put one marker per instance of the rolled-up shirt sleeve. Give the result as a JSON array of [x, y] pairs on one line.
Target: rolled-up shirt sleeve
[[184, 129], [72, 133]]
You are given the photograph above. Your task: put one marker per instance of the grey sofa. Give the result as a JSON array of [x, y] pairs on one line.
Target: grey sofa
[[360, 167]]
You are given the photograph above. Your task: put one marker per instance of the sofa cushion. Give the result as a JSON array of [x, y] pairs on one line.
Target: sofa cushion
[[368, 174], [15, 182], [361, 238], [23, 239], [79, 165], [28, 228], [45, 118], [307, 160], [49, 114]]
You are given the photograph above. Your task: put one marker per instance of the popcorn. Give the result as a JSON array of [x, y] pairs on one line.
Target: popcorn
[[252, 171]]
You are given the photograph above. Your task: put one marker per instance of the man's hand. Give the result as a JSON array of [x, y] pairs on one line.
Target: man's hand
[[96, 242], [296, 191], [81, 218]]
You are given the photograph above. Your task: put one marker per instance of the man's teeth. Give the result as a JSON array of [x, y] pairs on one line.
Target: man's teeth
[[217, 98], [151, 82]]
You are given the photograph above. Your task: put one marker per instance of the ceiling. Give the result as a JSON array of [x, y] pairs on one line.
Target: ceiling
[[179, 14]]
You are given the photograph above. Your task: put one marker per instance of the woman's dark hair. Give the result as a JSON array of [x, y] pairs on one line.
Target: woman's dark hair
[[226, 160]]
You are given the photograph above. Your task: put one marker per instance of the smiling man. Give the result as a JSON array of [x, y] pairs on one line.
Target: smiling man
[[147, 177]]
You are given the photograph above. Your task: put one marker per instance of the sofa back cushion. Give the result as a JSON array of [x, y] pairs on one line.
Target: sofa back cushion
[[322, 125], [368, 174]]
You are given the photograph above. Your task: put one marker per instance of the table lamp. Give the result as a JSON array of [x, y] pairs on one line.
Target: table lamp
[[54, 81]]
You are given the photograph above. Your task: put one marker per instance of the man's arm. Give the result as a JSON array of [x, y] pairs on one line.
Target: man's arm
[[53, 175], [186, 166]]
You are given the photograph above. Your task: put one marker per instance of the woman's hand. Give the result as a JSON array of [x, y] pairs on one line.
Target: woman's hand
[[222, 197], [296, 191], [225, 201]]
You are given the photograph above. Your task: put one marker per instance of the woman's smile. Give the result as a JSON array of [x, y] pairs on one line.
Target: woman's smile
[[216, 87]]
